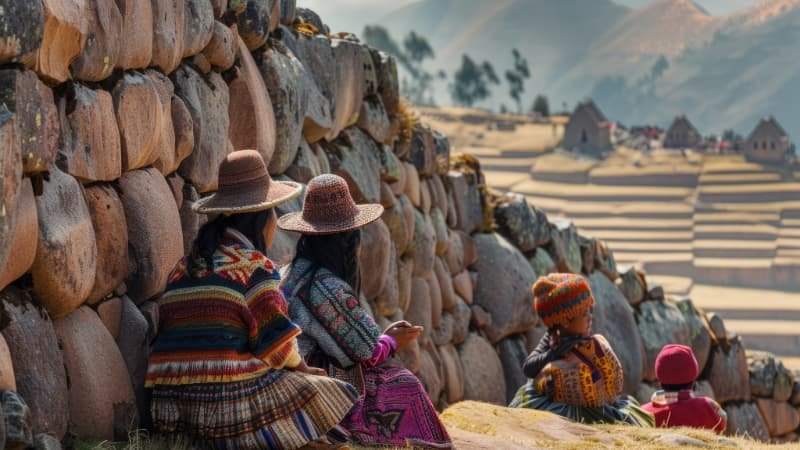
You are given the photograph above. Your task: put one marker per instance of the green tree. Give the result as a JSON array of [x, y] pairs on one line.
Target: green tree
[[471, 82], [516, 77], [541, 105]]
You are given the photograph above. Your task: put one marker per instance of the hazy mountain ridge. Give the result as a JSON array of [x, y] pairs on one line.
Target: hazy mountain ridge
[[726, 71]]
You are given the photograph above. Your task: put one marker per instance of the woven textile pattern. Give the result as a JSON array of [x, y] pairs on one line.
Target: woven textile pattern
[[560, 297]]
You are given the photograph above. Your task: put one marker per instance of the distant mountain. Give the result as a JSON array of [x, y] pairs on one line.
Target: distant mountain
[[641, 65]]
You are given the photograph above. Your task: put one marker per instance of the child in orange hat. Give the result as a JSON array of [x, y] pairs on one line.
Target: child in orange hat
[[573, 373], [676, 405]]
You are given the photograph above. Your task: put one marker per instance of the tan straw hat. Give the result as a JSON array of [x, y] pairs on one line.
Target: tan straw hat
[[245, 186], [329, 209]]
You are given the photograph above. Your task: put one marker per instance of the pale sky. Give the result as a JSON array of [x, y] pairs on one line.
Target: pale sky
[[352, 15]]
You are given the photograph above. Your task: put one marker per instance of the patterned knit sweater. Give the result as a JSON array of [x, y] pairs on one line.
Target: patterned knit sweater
[[228, 324]]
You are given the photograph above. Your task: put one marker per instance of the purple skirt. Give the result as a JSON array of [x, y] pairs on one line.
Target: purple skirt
[[394, 410]]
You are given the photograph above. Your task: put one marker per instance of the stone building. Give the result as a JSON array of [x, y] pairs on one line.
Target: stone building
[[768, 142], [682, 134], [588, 129]]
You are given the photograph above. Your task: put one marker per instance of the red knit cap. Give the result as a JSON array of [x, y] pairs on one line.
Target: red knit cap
[[561, 297], [676, 364]]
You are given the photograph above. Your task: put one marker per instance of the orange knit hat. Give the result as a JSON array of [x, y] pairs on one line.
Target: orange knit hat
[[560, 297]]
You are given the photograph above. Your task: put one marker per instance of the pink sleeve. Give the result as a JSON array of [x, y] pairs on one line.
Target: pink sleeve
[[383, 351]]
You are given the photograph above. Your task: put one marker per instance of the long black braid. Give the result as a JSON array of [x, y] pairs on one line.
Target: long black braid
[[336, 252]]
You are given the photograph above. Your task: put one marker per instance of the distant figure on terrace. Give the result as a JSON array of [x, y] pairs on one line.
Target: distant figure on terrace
[[676, 405], [338, 334], [225, 367], [571, 373]]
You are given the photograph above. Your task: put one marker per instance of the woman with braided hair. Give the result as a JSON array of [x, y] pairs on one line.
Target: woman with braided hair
[[322, 287]]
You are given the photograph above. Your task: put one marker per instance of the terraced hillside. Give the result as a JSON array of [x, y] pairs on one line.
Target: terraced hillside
[[718, 228]]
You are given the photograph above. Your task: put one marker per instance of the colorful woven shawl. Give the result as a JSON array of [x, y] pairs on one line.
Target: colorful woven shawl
[[328, 311]]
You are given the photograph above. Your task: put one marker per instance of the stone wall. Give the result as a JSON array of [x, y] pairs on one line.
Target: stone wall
[[117, 114]]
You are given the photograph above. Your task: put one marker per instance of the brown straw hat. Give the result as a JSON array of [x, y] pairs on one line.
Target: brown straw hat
[[329, 209], [245, 186]]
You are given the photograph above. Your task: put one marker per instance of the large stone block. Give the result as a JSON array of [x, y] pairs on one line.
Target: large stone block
[[10, 188], [22, 26], [374, 120], [633, 285], [288, 11], [19, 240], [36, 124], [207, 100], [198, 26], [154, 232], [376, 249], [90, 147], [660, 323], [421, 153], [286, 80], [455, 253], [388, 301], [466, 201], [65, 32], [429, 373], [108, 221], [512, 355], [443, 333], [347, 99], [183, 129], [464, 287], [388, 81], [134, 347], [37, 360], [744, 420], [780, 417], [565, 236], [436, 300], [190, 220], [541, 263], [405, 276], [461, 319], [360, 165], [728, 371], [253, 23], [222, 48], [137, 28], [110, 312], [137, 105], [699, 335], [16, 416], [454, 376], [317, 57], [423, 245], [419, 310], [66, 254], [440, 227], [613, 318], [252, 120], [305, 166], [504, 286], [517, 222], [412, 185], [168, 33], [445, 284], [103, 41], [101, 400], [768, 377], [484, 381]]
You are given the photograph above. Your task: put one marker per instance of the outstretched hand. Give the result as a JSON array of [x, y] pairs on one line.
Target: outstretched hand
[[305, 368], [403, 333]]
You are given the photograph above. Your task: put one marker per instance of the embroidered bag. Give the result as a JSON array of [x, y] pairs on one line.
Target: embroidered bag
[[590, 375]]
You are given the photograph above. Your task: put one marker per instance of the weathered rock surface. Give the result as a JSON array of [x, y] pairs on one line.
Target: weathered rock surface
[[168, 34], [44, 441], [108, 221], [18, 244], [138, 109], [405, 269], [443, 333], [453, 373], [17, 418], [463, 286], [154, 232], [252, 120], [207, 102], [36, 124], [504, 282], [388, 301], [486, 382], [466, 200], [512, 355], [134, 346], [388, 81], [137, 28], [419, 309], [37, 360], [190, 220], [110, 313], [65, 32], [7, 379], [10, 194], [660, 323], [613, 318], [728, 371], [780, 417], [374, 120], [359, 164], [421, 152], [305, 166], [518, 223], [198, 26], [99, 382], [633, 285], [23, 27], [436, 300], [429, 373], [221, 49], [424, 246], [253, 23], [745, 420], [90, 148], [103, 41], [541, 263], [699, 335], [717, 326], [66, 254], [461, 319], [374, 259], [768, 377]]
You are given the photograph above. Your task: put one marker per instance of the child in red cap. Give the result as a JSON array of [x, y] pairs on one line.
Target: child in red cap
[[676, 405], [573, 373]]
